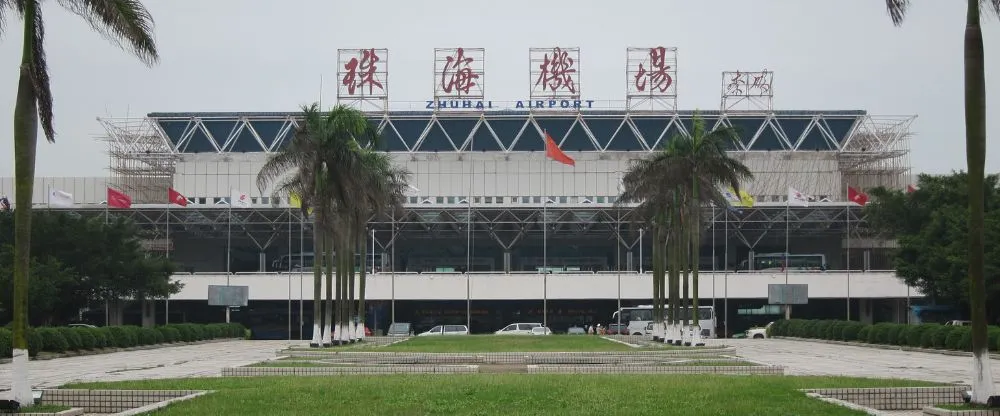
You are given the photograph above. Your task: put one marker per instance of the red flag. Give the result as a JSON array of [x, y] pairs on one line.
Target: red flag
[[176, 197], [552, 151], [117, 199], [911, 189], [856, 196]]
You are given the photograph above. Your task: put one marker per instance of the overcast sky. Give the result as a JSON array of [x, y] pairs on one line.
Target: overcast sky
[[257, 55]]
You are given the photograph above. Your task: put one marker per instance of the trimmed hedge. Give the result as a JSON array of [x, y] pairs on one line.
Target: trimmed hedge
[[63, 339], [936, 336]]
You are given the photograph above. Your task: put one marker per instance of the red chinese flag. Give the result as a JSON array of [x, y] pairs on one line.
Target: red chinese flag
[[552, 151], [118, 199], [176, 197], [856, 196], [911, 189]]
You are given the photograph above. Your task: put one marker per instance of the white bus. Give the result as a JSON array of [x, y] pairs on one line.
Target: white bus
[[772, 262], [637, 318]]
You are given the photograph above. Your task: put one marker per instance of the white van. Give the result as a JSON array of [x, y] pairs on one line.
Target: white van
[[519, 329], [446, 330]]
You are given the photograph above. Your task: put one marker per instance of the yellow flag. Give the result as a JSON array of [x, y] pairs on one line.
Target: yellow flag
[[294, 200], [745, 199]]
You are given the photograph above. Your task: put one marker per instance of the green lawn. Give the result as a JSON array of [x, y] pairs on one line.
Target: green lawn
[[506, 394], [504, 343]]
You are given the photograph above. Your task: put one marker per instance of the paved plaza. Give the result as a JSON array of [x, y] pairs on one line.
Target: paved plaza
[[208, 360]]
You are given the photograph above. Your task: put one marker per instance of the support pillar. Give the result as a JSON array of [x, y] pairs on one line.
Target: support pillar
[[148, 313], [262, 262], [506, 261], [629, 266]]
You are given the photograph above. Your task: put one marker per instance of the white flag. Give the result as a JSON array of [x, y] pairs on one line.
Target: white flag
[[797, 198], [61, 199], [239, 199]]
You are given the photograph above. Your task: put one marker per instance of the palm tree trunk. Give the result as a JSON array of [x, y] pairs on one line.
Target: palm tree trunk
[[675, 266], [25, 145], [317, 338], [975, 153], [657, 273], [361, 289], [351, 334], [695, 245], [348, 261], [328, 330]]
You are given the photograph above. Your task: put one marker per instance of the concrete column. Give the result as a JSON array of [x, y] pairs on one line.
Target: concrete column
[[148, 313], [629, 263], [750, 260], [506, 261], [866, 311], [262, 262]]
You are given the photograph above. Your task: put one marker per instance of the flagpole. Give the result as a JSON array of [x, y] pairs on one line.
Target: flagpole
[[166, 301], [289, 272], [714, 260], [788, 203], [848, 256], [392, 268], [468, 240], [725, 278], [545, 241], [229, 242], [302, 247]]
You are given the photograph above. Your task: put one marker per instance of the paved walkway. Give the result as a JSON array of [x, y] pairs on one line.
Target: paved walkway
[[207, 360], [814, 358], [204, 360]]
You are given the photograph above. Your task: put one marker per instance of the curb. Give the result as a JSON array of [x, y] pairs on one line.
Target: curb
[[44, 356], [993, 356]]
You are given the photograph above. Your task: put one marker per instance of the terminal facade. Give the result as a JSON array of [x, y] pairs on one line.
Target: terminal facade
[[486, 206]]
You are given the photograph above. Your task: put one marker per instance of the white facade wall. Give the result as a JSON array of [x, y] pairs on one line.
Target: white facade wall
[[206, 178], [86, 191], [490, 286]]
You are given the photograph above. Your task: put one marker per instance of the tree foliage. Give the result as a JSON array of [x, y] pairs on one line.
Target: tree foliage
[[931, 228], [78, 263]]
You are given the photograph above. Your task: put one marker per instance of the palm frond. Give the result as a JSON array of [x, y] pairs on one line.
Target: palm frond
[[126, 23], [897, 10], [39, 72]]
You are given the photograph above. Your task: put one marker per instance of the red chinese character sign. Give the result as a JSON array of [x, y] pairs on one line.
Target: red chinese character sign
[[363, 77], [747, 91], [651, 78], [459, 73], [555, 73]]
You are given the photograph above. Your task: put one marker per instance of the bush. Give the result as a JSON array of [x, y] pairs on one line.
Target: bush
[[109, 337], [150, 336], [864, 333], [170, 334], [955, 337], [87, 339], [912, 335], [52, 340], [994, 337], [897, 334], [851, 331], [35, 342], [72, 338], [939, 339]]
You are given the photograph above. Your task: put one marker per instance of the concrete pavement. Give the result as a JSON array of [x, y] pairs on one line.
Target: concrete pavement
[[204, 360], [207, 360], [814, 358]]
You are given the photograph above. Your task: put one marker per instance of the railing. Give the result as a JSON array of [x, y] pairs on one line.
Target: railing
[[605, 272]]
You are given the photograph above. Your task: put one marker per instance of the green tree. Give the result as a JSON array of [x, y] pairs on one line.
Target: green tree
[[931, 227], [975, 154], [125, 22]]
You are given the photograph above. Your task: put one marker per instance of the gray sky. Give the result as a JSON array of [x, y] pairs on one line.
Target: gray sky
[[257, 55]]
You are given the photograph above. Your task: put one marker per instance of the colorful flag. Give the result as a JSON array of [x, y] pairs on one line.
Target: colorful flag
[[797, 198], [4, 203], [911, 189], [552, 151], [294, 201], [176, 197], [239, 199], [744, 199], [857, 196], [60, 199], [117, 199]]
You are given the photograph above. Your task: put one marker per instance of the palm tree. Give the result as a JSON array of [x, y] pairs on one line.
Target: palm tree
[[671, 187], [320, 161], [975, 155], [125, 22]]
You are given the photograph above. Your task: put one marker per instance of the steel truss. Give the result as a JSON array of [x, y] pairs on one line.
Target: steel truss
[[506, 226], [868, 138], [141, 164]]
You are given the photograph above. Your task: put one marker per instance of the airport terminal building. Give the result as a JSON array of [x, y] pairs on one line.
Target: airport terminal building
[[488, 212]]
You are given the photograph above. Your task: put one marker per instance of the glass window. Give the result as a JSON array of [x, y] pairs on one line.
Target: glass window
[[499, 199], [451, 200], [600, 200], [537, 199], [439, 199], [435, 329], [525, 199], [510, 327]]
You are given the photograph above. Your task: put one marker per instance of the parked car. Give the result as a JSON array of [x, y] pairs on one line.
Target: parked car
[[518, 329], [541, 330], [576, 330], [617, 329], [758, 332], [446, 330], [400, 329], [81, 326]]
